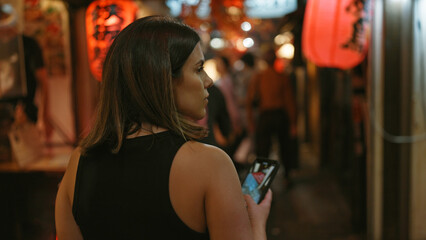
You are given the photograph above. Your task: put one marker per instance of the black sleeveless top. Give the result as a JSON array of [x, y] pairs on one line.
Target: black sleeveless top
[[126, 195]]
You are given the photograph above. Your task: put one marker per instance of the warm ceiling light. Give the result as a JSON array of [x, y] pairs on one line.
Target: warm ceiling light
[[239, 45], [248, 42], [205, 26], [234, 11], [282, 38], [210, 68], [217, 43], [286, 51], [246, 26]]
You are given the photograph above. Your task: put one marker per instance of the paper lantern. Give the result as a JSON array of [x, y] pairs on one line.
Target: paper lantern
[[104, 20], [335, 32]]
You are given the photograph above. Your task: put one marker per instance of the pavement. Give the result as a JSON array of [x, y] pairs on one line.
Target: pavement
[[312, 207]]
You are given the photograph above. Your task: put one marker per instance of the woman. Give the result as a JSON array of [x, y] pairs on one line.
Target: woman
[[139, 174]]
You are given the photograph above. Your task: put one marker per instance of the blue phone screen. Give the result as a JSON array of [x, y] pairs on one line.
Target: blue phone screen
[[257, 181]]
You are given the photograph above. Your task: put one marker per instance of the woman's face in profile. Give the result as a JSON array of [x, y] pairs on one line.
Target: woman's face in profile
[[191, 88]]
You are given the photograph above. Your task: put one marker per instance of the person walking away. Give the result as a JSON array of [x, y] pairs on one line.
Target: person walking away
[[271, 93]]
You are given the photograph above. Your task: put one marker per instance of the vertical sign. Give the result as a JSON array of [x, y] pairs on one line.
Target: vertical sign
[[104, 20]]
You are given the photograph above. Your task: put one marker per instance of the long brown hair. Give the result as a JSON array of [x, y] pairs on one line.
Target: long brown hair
[[139, 72]]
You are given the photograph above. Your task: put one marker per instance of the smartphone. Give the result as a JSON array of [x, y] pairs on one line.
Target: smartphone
[[259, 178]]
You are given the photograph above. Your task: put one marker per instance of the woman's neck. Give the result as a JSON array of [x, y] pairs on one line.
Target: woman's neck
[[147, 129]]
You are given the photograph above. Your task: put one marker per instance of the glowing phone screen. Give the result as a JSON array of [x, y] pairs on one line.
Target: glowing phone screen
[[259, 178]]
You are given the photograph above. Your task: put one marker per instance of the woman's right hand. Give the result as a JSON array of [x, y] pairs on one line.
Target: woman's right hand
[[258, 214]]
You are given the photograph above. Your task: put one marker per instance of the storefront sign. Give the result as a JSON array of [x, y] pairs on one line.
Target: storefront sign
[[104, 20], [184, 8], [269, 9]]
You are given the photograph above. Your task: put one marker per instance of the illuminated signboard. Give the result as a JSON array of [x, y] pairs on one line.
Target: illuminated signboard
[[202, 7], [269, 8], [253, 8]]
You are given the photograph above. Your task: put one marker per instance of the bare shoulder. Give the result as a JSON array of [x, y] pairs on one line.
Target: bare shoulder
[[73, 162], [211, 175], [68, 181], [205, 154], [66, 227], [205, 163], [74, 159], [199, 148]]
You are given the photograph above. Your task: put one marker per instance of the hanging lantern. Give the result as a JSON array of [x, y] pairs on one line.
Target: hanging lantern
[[104, 20], [335, 32]]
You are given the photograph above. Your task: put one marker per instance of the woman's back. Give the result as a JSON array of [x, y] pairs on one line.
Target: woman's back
[[126, 195], [204, 193]]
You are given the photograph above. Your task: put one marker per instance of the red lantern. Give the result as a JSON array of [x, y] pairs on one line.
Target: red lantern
[[335, 32], [104, 20]]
